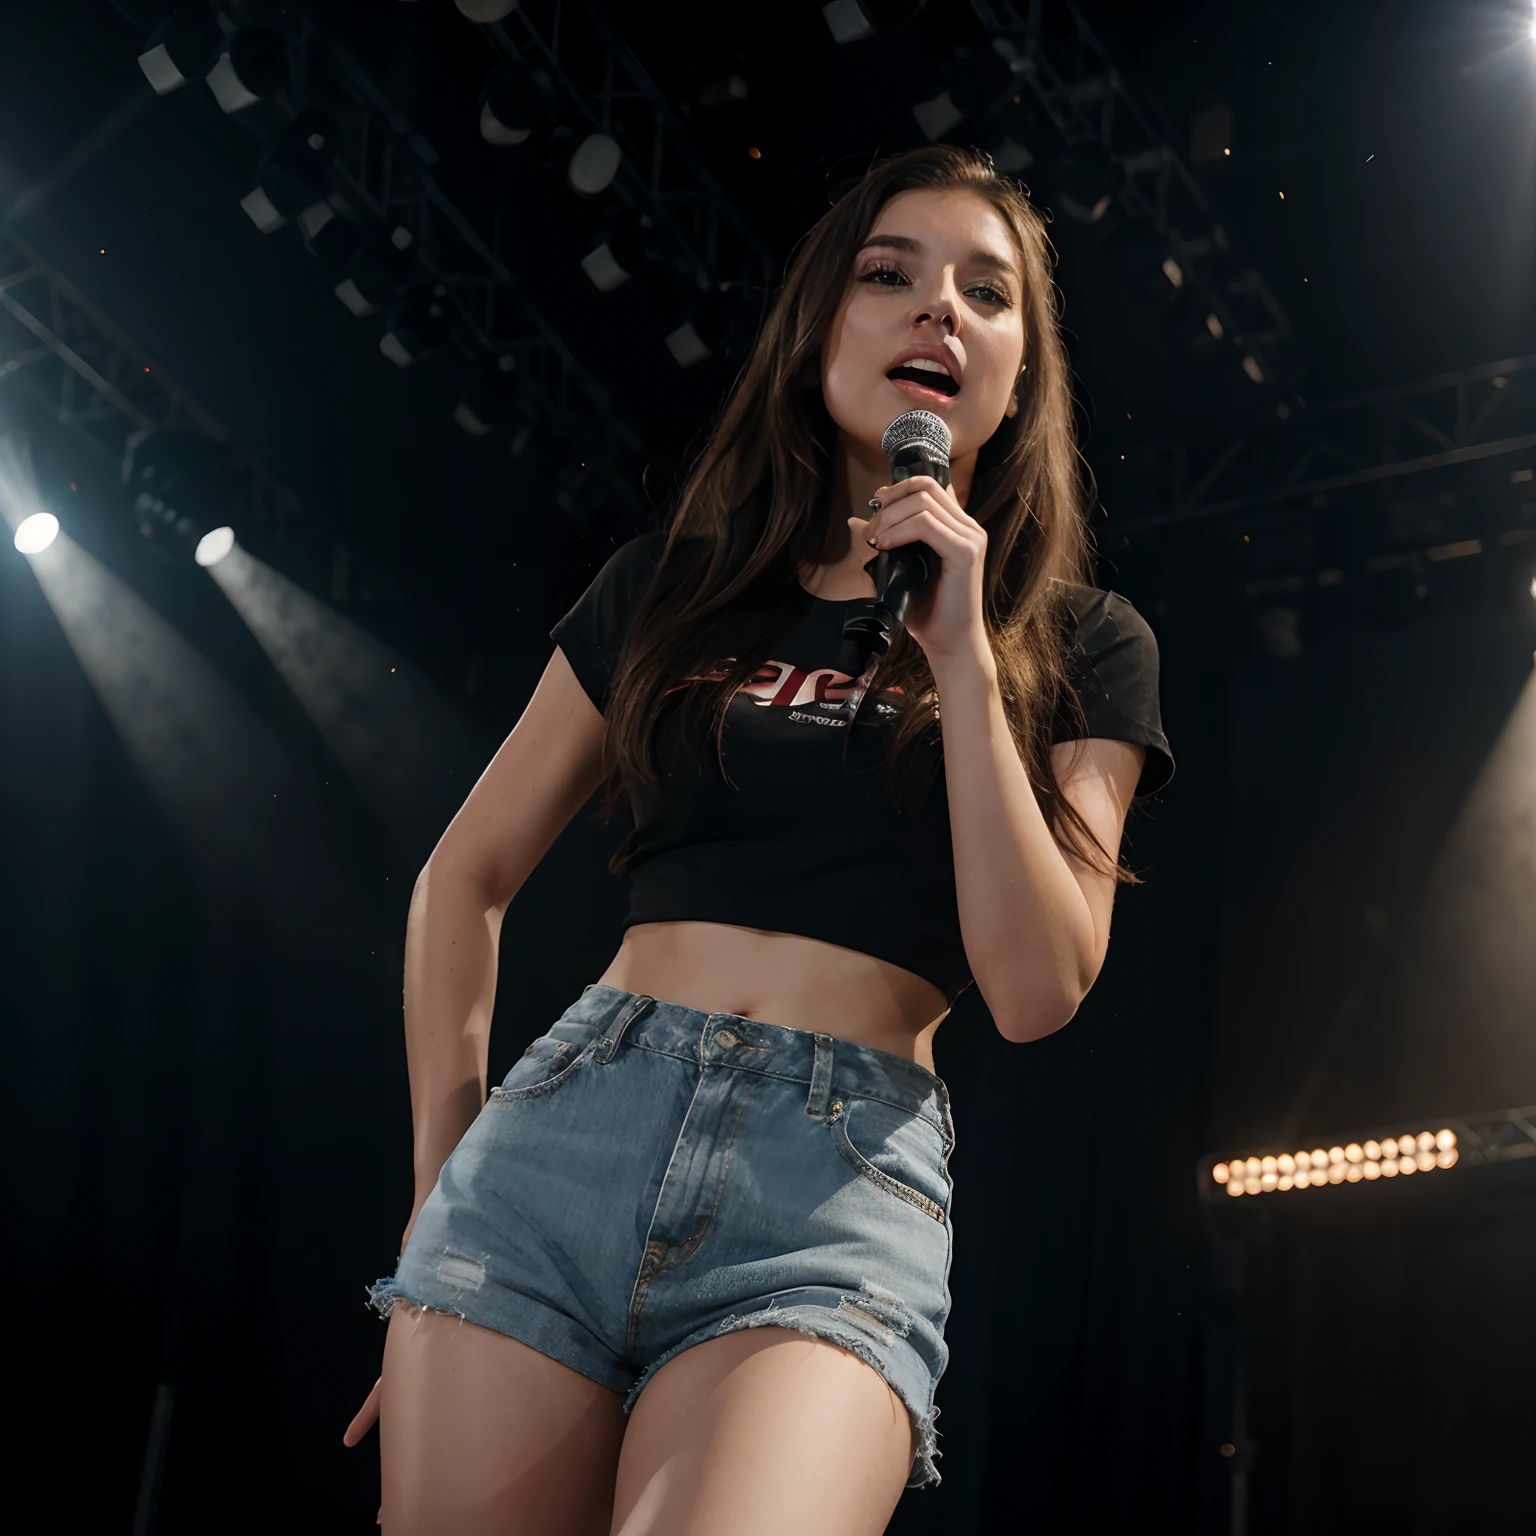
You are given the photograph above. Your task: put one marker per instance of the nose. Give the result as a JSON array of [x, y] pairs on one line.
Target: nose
[[942, 306]]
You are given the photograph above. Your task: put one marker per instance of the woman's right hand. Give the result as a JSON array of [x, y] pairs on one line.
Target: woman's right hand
[[368, 1415]]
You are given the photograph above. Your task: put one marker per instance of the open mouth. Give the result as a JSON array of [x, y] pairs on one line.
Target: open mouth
[[926, 374]]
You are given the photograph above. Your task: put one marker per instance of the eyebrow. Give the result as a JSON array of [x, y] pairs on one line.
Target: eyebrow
[[911, 247]]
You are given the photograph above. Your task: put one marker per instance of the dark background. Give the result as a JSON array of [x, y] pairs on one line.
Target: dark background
[[201, 918]]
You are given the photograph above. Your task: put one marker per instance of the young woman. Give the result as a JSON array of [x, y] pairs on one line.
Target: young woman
[[686, 1271]]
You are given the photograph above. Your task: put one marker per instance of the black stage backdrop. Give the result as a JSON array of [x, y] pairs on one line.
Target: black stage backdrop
[[206, 1106]]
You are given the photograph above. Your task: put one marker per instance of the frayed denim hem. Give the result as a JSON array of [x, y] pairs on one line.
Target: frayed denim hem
[[383, 1294]]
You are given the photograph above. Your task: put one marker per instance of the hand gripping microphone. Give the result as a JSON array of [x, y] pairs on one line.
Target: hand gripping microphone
[[918, 444]]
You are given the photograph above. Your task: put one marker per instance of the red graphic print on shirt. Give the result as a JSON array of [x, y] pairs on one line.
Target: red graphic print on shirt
[[782, 684]]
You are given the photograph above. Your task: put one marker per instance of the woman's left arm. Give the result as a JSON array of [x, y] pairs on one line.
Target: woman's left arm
[[1034, 919]]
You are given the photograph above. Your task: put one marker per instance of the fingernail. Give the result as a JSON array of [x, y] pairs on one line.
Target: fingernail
[[872, 543], [874, 502]]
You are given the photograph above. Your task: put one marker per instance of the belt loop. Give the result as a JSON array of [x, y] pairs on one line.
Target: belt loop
[[818, 1102], [608, 1039]]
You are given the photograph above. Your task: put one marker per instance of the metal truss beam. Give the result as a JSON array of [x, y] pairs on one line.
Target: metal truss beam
[[96, 382], [1483, 412]]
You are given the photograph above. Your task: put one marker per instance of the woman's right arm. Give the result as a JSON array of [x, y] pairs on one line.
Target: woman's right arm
[[542, 775]]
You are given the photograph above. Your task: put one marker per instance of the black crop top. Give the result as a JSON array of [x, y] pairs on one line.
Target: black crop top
[[803, 843]]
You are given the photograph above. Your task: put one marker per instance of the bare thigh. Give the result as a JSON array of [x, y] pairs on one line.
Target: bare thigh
[[761, 1432], [481, 1434]]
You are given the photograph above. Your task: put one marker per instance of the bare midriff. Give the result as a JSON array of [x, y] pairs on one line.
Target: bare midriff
[[782, 978]]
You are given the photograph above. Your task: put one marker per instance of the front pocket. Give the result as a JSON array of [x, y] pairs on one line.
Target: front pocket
[[547, 1064], [901, 1151]]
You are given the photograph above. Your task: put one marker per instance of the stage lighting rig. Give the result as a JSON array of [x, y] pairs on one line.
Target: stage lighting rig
[[634, 149], [976, 79], [102, 387], [379, 273], [1115, 150], [419, 326], [184, 486], [293, 179]]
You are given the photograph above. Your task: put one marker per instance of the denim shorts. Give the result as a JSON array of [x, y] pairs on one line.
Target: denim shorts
[[650, 1176]]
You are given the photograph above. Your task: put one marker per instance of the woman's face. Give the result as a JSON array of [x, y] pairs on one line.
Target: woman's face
[[932, 319]]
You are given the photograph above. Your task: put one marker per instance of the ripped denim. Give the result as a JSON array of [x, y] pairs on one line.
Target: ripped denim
[[650, 1176]]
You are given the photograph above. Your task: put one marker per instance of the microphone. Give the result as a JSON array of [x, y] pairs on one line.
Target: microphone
[[918, 444]]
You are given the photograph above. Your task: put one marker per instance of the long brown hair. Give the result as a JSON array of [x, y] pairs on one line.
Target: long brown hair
[[754, 505]]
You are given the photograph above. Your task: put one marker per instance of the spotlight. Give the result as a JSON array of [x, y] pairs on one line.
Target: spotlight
[[254, 65], [937, 115], [332, 240], [850, 20], [185, 43], [213, 546], [707, 330], [515, 105], [419, 326], [378, 273], [1086, 184], [293, 177], [183, 485], [594, 165], [490, 396], [485, 11], [34, 534], [687, 346], [625, 250]]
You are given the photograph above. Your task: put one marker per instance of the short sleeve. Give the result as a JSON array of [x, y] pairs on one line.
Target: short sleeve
[[1113, 667], [593, 632]]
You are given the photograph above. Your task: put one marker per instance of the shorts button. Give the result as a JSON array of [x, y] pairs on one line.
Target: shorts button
[[725, 1037]]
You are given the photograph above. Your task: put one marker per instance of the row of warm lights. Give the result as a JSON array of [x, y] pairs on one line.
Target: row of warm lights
[[1339, 1165]]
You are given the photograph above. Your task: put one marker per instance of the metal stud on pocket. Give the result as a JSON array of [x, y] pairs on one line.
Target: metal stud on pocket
[[836, 1109]]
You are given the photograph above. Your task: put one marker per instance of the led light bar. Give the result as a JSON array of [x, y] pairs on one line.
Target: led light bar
[[1358, 1161], [1499, 1137]]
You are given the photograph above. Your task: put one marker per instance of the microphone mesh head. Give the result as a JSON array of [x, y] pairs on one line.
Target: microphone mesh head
[[913, 427]]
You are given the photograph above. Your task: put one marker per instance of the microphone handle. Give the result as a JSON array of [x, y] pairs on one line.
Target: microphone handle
[[900, 572]]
